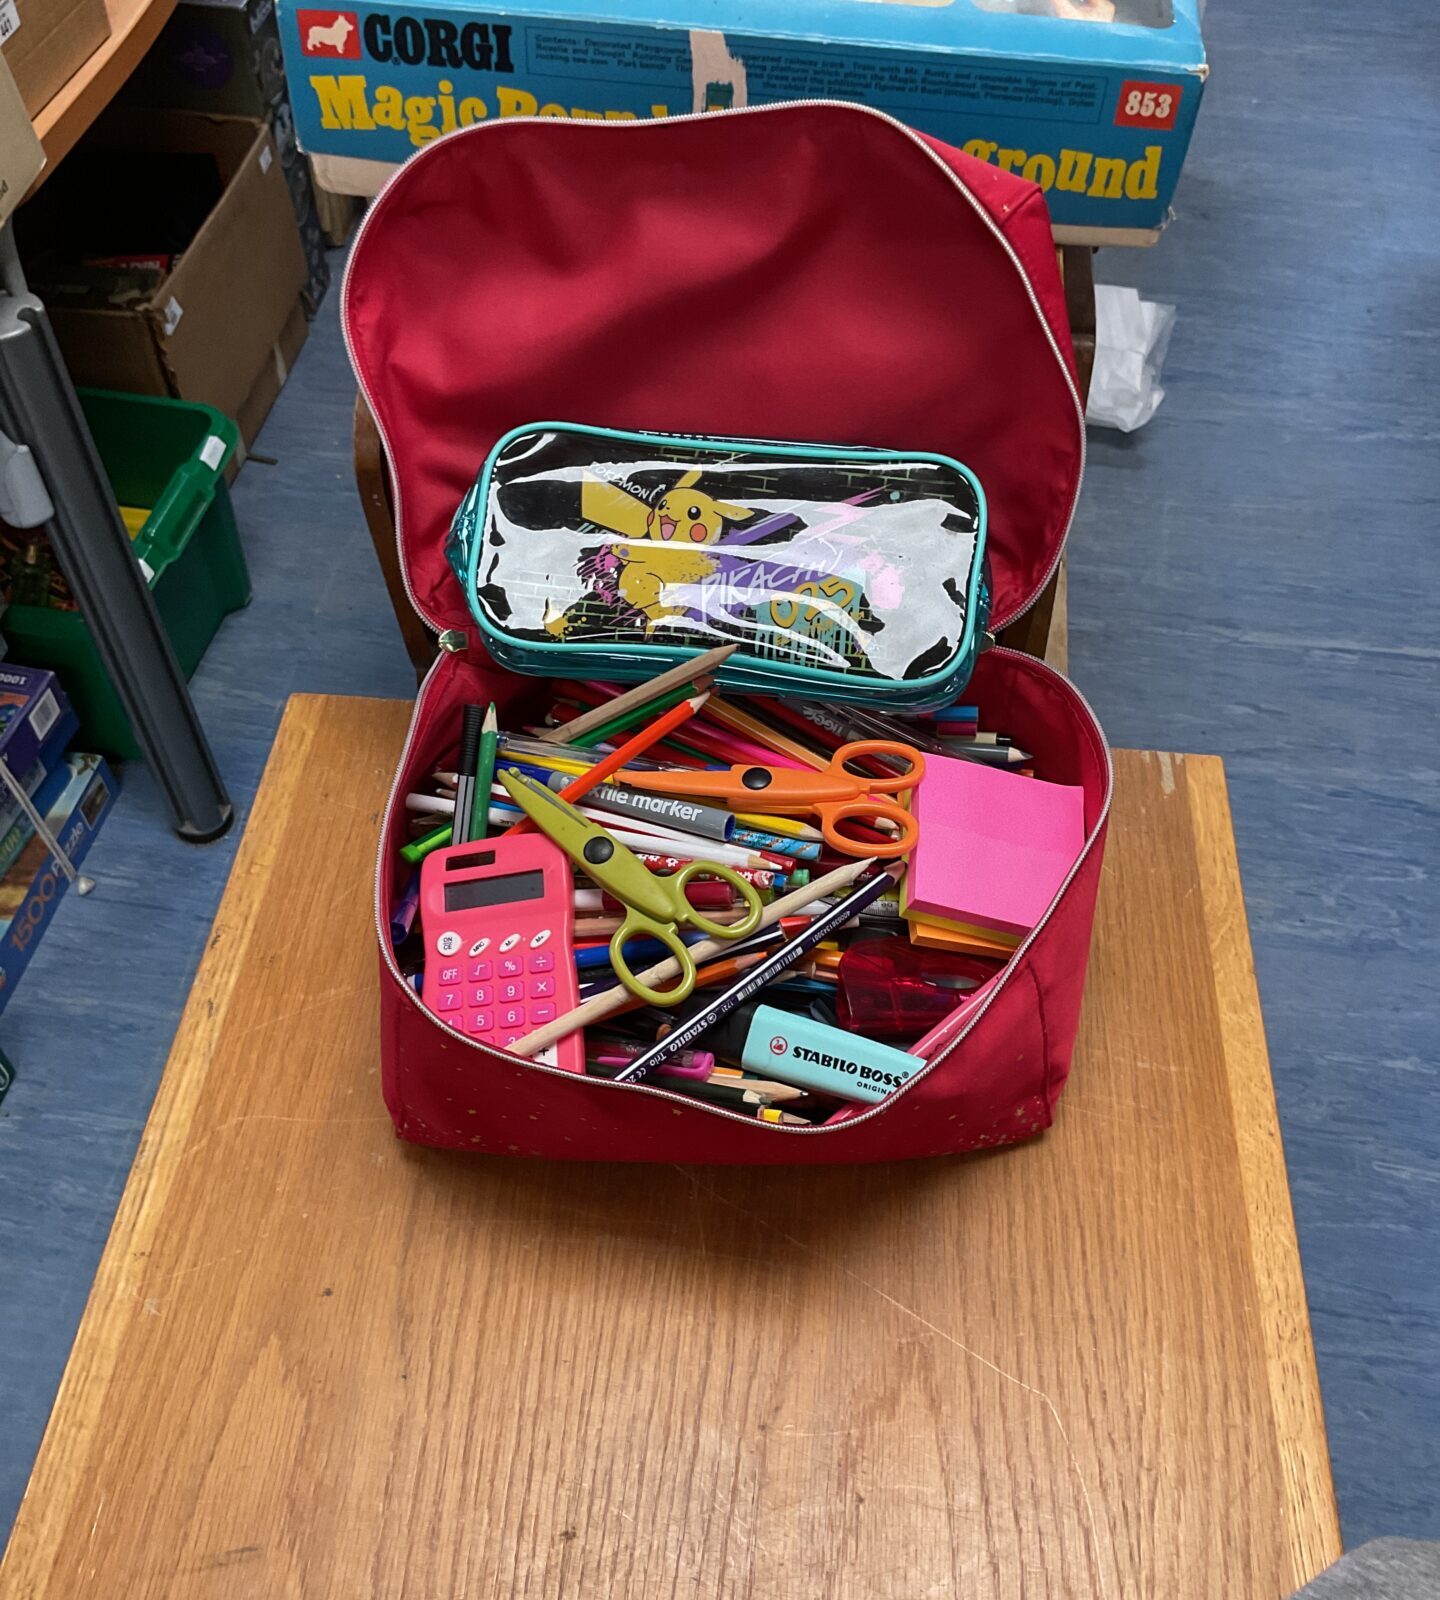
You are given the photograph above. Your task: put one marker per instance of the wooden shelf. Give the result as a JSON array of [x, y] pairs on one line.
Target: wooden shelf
[[134, 27]]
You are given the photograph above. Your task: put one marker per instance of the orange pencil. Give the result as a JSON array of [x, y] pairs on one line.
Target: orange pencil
[[742, 722], [611, 764]]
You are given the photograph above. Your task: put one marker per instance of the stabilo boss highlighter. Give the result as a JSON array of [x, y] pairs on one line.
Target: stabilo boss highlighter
[[812, 1055]]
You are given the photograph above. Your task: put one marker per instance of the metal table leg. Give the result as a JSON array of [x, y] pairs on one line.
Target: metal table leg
[[72, 500]]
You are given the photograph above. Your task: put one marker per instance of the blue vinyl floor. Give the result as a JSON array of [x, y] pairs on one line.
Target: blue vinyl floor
[[1252, 574]]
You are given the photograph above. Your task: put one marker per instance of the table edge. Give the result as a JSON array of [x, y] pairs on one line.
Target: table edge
[[1313, 1524]]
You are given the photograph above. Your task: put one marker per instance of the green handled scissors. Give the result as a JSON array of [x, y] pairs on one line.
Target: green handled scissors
[[655, 907]]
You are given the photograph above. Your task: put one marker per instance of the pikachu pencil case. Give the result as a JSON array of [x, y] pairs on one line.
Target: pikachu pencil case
[[848, 574]]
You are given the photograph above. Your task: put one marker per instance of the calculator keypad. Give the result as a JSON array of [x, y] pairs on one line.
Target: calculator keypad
[[501, 1000]]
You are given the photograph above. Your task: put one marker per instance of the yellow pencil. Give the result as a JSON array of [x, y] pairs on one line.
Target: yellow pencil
[[791, 827], [555, 763]]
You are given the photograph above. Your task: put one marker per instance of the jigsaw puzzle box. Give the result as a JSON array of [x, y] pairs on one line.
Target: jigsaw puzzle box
[[1094, 100]]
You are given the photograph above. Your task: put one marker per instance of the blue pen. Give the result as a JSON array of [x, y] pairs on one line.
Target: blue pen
[[590, 956], [510, 764], [776, 843], [956, 714]]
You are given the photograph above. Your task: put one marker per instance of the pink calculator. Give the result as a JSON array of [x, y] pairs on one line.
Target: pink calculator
[[498, 916]]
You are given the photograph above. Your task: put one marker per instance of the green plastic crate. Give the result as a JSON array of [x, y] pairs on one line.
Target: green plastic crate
[[169, 455]]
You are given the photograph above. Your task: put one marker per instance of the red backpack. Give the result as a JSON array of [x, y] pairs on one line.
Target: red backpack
[[813, 271]]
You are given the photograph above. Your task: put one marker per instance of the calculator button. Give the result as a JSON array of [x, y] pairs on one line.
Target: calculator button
[[482, 995], [541, 988], [509, 941], [447, 1000], [480, 971], [512, 1017], [480, 947], [513, 990], [511, 967], [481, 1021], [448, 943], [449, 974], [545, 962], [540, 938], [505, 1040], [544, 1012]]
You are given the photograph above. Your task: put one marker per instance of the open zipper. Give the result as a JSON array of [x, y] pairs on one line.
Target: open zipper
[[454, 642]]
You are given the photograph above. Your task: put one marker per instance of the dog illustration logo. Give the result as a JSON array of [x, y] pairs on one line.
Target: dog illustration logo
[[329, 33]]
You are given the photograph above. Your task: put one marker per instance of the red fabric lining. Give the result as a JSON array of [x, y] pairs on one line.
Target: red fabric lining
[[806, 273]]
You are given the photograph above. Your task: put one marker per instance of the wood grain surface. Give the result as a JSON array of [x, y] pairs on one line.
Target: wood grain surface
[[318, 1363]]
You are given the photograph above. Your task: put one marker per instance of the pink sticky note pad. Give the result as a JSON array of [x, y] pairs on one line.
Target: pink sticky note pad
[[994, 847]]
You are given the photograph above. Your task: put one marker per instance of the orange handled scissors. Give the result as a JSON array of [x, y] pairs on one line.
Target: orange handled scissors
[[833, 794]]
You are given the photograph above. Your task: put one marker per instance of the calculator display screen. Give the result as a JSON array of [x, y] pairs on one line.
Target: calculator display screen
[[501, 891]]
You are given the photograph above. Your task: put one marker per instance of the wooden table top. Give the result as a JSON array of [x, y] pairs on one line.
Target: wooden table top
[[319, 1363]]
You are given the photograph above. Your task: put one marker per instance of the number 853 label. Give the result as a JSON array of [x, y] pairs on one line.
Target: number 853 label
[[1147, 105]]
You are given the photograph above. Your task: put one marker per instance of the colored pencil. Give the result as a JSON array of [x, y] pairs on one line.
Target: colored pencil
[[706, 977], [642, 741], [743, 723], [990, 755], [735, 750], [642, 694], [636, 715]]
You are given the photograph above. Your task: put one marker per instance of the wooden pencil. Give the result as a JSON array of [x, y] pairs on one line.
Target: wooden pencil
[[642, 694]]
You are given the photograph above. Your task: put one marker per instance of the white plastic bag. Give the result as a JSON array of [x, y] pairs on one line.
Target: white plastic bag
[[1131, 337]]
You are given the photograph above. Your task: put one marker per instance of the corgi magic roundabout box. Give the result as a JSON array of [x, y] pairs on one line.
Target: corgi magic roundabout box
[[1094, 100]]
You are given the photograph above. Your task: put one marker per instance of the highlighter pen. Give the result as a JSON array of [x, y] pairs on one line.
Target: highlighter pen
[[799, 1050]]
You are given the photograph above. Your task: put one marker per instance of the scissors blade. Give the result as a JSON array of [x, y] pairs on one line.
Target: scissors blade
[[556, 818], [592, 848]]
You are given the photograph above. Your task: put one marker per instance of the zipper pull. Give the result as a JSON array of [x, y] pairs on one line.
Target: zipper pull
[[453, 641]]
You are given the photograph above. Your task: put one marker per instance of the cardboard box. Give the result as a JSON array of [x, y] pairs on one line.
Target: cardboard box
[[36, 882], [36, 719], [212, 327], [21, 155], [46, 42], [44, 788], [224, 57], [1098, 113]]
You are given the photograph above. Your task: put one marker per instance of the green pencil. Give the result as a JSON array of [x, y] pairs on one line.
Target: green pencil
[[636, 714], [484, 775]]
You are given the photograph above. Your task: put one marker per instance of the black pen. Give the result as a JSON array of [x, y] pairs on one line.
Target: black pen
[[471, 727]]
